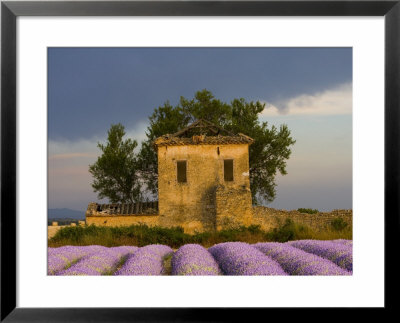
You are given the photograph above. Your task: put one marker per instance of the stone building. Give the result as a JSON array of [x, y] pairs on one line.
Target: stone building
[[203, 185], [203, 182], [203, 178]]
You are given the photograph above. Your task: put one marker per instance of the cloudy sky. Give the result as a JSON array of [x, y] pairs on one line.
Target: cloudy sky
[[309, 89]]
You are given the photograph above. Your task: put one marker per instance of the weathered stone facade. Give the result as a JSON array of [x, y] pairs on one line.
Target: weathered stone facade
[[233, 207], [193, 204]]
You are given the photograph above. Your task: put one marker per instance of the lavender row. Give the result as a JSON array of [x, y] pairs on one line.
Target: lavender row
[[64, 257], [303, 257], [239, 258], [194, 260], [298, 262], [340, 254], [104, 261], [343, 241], [146, 260]]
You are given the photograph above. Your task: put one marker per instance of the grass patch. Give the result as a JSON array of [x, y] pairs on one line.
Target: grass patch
[[142, 235], [71, 263], [167, 264], [117, 267], [135, 235], [288, 231], [291, 230]]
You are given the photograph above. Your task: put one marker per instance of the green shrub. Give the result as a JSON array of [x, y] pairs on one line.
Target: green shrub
[[141, 235], [290, 230], [338, 224], [254, 228], [309, 211], [283, 233]]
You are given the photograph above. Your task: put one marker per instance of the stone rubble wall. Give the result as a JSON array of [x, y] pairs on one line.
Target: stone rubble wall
[[122, 220], [269, 218], [101, 218], [233, 207]]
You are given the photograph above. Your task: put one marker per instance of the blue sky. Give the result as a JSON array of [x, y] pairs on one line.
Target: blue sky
[[309, 89]]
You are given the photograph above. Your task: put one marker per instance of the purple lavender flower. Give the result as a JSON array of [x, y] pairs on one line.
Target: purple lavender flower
[[63, 257], [298, 262], [344, 241], [124, 250], [194, 260], [146, 260], [340, 254], [103, 261], [238, 258]]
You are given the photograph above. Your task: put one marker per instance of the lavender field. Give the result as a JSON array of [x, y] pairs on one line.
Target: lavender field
[[301, 257]]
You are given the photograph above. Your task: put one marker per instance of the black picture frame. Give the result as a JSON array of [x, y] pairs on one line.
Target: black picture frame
[[10, 10]]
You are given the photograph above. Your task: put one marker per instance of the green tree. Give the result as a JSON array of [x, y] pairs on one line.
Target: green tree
[[267, 155], [116, 171]]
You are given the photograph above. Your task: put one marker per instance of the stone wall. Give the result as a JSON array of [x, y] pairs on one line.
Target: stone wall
[[122, 220], [192, 204], [269, 218], [233, 207], [97, 216]]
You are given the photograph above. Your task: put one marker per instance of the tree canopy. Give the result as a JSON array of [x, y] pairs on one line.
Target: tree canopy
[[116, 172], [267, 155]]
